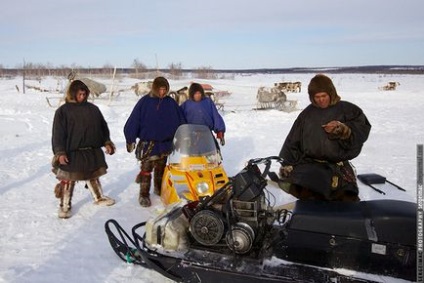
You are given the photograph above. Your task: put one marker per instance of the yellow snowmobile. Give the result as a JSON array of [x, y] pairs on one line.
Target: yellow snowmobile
[[194, 169]]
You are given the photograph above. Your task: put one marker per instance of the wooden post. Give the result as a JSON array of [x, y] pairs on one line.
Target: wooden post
[[23, 78], [420, 262], [112, 88]]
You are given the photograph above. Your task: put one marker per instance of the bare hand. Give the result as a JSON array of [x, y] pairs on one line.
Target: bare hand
[[110, 149], [63, 160]]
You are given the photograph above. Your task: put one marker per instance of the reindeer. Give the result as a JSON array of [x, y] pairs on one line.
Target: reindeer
[[289, 86], [142, 88], [180, 95], [390, 86]]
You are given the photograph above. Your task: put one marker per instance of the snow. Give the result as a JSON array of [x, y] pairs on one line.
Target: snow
[[36, 246]]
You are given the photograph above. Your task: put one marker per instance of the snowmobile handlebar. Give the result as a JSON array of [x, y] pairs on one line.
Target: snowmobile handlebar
[[265, 160], [242, 181]]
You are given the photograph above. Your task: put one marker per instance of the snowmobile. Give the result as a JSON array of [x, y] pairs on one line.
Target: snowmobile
[[194, 169], [236, 235]]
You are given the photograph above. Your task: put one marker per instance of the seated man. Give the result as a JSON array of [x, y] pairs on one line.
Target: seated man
[[325, 136]]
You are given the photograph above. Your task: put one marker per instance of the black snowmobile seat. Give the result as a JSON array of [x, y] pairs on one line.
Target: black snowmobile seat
[[391, 221]]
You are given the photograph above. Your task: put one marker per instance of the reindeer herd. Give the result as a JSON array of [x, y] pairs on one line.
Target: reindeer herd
[[274, 97], [139, 88]]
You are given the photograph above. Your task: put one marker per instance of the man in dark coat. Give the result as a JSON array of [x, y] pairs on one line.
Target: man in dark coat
[[325, 136], [79, 133], [154, 121]]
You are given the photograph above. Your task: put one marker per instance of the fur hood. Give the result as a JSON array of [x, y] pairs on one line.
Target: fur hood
[[73, 89], [158, 83], [322, 83], [195, 87]]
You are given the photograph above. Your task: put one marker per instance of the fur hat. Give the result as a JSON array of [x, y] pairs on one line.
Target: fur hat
[[195, 87], [322, 83], [157, 84], [74, 87]]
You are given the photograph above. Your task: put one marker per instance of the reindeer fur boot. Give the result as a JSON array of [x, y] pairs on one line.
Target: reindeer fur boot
[[97, 192], [64, 191]]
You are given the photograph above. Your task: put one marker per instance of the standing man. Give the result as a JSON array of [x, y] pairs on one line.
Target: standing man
[[79, 133], [326, 135], [154, 121]]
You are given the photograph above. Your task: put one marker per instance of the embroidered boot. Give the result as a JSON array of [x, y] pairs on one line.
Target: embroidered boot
[[64, 191], [144, 201], [97, 192]]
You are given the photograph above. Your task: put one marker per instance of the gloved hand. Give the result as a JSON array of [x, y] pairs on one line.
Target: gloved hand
[[130, 147], [110, 148], [220, 136], [285, 171]]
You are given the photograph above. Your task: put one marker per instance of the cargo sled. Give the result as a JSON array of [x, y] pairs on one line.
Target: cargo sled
[[235, 235]]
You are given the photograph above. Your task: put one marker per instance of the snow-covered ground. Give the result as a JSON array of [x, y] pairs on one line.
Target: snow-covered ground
[[37, 246]]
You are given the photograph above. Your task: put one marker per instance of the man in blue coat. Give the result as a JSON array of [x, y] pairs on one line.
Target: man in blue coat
[[154, 120], [201, 110]]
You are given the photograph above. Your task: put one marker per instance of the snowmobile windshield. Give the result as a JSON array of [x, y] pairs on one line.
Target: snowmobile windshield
[[191, 141]]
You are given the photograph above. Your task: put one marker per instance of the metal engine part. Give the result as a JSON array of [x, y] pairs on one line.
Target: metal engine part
[[240, 238], [207, 227]]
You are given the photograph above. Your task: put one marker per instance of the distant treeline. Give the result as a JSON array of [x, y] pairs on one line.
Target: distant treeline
[[206, 72]]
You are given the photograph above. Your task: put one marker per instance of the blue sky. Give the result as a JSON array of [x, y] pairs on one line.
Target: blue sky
[[221, 34]]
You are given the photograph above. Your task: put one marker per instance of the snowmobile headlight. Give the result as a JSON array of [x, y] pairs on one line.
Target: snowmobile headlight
[[202, 188]]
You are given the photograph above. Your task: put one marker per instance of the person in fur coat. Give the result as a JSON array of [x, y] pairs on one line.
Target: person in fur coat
[[326, 135], [79, 133], [201, 110], [154, 121]]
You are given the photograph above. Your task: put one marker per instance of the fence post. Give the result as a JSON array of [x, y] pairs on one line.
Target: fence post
[[420, 173]]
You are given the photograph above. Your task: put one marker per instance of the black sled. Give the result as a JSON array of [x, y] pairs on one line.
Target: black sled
[[236, 236]]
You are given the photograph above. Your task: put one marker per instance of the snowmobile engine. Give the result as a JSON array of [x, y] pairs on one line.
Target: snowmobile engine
[[234, 218]]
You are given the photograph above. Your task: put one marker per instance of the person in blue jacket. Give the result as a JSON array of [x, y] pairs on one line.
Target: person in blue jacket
[[154, 121], [201, 110]]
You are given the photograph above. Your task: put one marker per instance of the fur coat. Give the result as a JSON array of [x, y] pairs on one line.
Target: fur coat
[[79, 132], [202, 112], [154, 120], [319, 161], [205, 113]]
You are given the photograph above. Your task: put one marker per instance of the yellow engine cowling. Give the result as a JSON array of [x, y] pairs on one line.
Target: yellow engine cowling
[[191, 179]]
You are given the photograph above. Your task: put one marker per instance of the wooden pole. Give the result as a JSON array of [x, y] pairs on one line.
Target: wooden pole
[[420, 262], [23, 78]]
